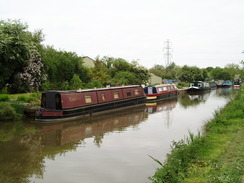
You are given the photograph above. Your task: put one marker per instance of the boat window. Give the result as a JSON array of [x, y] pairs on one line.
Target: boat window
[[128, 93], [136, 92], [164, 88], [103, 96], [160, 89], [116, 95], [88, 99]]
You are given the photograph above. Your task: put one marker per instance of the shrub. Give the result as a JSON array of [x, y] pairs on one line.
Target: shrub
[[4, 98], [19, 108], [22, 99], [7, 112]]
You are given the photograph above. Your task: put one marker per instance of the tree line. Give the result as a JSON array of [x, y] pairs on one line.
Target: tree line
[[27, 65], [192, 73]]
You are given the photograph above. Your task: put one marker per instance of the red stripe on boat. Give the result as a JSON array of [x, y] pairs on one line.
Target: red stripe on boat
[[52, 113]]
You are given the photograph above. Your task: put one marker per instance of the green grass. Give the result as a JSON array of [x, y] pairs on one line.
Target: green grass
[[8, 112], [4, 97], [12, 105], [217, 156], [182, 85]]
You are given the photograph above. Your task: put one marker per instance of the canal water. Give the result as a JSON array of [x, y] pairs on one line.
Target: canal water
[[112, 148]]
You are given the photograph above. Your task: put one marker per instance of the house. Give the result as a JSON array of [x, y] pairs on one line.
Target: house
[[153, 79], [88, 62]]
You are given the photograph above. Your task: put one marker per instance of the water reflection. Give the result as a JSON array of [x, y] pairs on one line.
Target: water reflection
[[20, 153], [224, 91], [193, 99], [61, 134], [165, 108]]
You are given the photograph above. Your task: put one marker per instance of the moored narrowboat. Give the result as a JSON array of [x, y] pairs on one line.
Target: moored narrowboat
[[198, 86], [68, 105], [227, 83], [224, 83], [237, 84], [161, 92]]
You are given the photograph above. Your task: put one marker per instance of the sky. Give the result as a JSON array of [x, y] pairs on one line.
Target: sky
[[202, 33]]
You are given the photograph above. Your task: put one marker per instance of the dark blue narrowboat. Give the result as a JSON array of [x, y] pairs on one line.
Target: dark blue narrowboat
[[161, 92]]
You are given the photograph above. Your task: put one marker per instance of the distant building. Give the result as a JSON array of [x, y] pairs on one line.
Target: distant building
[[154, 79], [88, 62]]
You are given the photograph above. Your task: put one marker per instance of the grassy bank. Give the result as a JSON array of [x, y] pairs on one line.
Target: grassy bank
[[216, 156], [12, 106]]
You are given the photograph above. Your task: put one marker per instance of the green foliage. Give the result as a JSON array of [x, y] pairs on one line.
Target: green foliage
[[182, 85], [95, 84], [60, 67], [75, 83], [4, 98], [182, 155], [169, 72], [47, 85], [19, 108], [4, 90], [123, 78], [26, 99], [15, 47], [122, 72], [7, 112], [191, 73], [100, 73]]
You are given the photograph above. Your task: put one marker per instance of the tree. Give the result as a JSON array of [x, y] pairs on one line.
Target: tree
[[141, 74], [75, 83], [99, 74], [61, 66], [32, 75], [232, 70], [216, 73], [158, 70], [123, 78], [191, 73], [15, 45]]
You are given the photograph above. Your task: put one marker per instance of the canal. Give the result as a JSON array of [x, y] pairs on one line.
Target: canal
[[112, 148]]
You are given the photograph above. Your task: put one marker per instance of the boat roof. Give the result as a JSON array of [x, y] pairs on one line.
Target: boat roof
[[92, 89], [160, 85]]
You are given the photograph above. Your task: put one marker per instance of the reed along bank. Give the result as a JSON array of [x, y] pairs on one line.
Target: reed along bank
[[215, 156]]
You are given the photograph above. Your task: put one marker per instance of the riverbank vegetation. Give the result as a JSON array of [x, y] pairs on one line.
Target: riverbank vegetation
[[216, 156], [12, 105]]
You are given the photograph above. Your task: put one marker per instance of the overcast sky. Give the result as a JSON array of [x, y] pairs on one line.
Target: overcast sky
[[202, 32]]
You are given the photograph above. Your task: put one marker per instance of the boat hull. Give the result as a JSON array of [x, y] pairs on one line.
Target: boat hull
[[198, 90]]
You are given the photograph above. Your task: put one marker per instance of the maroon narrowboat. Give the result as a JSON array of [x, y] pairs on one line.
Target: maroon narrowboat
[[161, 92], [67, 105]]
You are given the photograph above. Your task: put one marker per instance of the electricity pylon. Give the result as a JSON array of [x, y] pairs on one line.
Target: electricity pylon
[[167, 52]]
